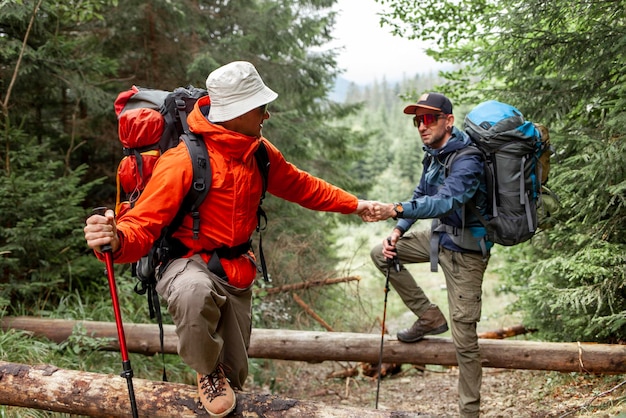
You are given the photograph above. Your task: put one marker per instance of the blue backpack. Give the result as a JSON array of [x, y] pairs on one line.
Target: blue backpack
[[516, 154]]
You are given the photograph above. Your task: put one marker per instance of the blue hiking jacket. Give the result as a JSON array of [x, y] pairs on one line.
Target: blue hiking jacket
[[438, 196]]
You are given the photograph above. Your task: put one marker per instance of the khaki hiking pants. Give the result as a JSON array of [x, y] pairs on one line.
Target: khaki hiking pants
[[213, 319], [464, 276]]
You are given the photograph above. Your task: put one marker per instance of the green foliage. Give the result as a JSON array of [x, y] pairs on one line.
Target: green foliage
[[575, 295], [575, 290], [450, 23], [599, 210], [563, 64], [41, 231]]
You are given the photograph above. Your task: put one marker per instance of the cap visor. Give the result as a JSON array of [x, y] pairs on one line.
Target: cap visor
[[420, 110]]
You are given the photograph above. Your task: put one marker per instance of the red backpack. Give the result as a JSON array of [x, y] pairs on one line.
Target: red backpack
[[149, 123]]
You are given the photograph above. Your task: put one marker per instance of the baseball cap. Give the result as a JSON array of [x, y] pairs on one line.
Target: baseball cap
[[235, 89], [428, 102]]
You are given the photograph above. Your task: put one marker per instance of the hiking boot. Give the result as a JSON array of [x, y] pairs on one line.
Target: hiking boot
[[432, 322], [217, 397]]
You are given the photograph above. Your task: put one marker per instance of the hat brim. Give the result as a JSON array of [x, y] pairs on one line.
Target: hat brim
[[420, 109], [223, 113]]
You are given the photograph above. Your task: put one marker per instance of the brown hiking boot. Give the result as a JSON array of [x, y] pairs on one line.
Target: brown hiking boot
[[432, 322], [217, 397]]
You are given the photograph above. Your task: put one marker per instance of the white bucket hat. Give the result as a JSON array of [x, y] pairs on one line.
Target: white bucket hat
[[235, 89]]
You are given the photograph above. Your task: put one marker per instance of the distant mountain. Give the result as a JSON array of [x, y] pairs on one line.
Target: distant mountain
[[338, 93], [424, 80]]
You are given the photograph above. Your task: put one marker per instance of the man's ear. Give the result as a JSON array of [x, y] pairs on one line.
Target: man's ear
[[450, 120]]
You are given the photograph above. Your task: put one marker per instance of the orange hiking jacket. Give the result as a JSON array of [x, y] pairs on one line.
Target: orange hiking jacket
[[228, 214]]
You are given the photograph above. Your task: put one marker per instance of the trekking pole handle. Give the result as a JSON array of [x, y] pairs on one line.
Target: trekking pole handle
[[394, 260], [101, 210]]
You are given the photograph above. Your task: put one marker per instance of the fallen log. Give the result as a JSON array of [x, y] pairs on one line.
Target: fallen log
[[49, 388], [340, 346]]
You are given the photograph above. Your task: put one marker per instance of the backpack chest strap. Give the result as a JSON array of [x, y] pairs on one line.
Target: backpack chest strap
[[461, 237]]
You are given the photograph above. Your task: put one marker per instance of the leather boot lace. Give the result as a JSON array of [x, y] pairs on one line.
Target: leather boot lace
[[214, 384]]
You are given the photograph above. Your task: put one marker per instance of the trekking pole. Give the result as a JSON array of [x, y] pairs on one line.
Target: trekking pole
[[128, 371], [390, 261]]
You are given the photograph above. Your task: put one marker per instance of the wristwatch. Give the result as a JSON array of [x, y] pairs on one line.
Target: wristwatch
[[397, 207]]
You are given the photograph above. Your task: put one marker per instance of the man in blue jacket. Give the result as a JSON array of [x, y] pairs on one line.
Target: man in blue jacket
[[456, 241]]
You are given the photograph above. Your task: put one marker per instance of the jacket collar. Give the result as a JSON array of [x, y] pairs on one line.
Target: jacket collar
[[457, 140], [224, 141]]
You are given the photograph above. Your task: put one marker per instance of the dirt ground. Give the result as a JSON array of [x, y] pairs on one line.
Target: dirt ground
[[432, 392]]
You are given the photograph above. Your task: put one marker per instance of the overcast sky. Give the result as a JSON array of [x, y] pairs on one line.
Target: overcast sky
[[371, 52]]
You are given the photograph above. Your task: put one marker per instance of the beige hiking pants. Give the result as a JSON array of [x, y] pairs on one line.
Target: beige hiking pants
[[213, 319], [464, 276]]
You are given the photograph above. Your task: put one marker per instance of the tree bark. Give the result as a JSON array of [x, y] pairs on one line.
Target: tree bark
[[49, 388], [339, 346]]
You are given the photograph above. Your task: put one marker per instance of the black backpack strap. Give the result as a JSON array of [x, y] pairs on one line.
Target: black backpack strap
[[181, 110], [200, 185], [263, 162]]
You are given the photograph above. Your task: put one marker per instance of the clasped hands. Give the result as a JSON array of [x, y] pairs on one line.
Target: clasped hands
[[373, 211]]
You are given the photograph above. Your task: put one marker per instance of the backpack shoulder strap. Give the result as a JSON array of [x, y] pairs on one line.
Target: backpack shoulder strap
[[471, 149], [200, 185], [263, 161], [193, 199]]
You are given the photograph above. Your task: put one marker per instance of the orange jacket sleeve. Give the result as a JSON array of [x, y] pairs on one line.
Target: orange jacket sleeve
[[288, 182]]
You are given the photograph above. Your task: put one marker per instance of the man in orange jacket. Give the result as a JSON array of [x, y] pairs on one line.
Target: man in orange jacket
[[213, 314]]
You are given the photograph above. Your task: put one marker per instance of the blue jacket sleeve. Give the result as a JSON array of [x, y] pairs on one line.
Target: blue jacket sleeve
[[404, 224], [443, 195]]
